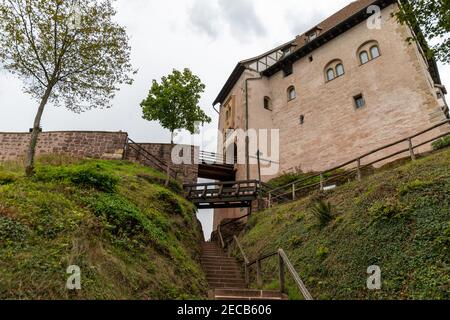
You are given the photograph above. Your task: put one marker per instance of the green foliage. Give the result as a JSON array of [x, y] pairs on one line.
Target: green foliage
[[12, 233], [431, 19], [128, 240], [384, 210], [288, 178], [442, 143], [295, 241], [398, 218], [7, 177], [323, 211], [77, 60], [174, 102], [174, 185], [124, 220], [93, 176], [416, 185], [322, 252], [82, 65]]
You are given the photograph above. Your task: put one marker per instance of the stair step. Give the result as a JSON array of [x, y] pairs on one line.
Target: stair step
[[222, 280], [221, 262], [226, 286], [238, 298], [209, 267], [246, 294]]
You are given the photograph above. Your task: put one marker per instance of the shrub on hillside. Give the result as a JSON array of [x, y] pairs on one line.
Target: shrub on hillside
[[175, 186], [442, 143], [87, 176], [125, 221], [323, 211], [6, 178], [12, 233]]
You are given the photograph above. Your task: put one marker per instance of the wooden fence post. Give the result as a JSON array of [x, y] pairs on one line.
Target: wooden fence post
[[247, 276], [321, 181], [358, 170], [258, 274], [281, 274], [270, 200], [411, 149], [293, 191]]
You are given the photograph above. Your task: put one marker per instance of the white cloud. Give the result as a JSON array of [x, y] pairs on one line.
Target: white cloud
[[239, 17]]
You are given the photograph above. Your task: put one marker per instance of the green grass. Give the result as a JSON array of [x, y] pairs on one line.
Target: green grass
[[132, 237], [398, 219]]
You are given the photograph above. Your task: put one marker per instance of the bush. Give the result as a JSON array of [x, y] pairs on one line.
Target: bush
[[91, 177], [125, 221], [323, 211], [87, 176], [6, 178], [441, 143], [12, 232]]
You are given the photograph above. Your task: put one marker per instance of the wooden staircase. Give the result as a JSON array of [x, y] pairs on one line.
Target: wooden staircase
[[225, 279]]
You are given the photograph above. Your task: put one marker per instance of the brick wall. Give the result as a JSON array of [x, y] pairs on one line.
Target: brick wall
[[188, 173], [82, 144]]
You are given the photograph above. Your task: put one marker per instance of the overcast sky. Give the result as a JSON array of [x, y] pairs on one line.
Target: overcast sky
[[207, 36]]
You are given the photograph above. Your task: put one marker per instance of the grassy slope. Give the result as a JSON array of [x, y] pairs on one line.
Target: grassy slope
[[132, 238], [398, 219]]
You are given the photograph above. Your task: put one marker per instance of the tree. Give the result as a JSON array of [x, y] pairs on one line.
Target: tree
[[430, 19], [67, 52], [175, 103]]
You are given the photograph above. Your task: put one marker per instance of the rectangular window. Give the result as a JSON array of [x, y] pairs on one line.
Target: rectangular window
[[359, 101], [287, 69], [312, 36]]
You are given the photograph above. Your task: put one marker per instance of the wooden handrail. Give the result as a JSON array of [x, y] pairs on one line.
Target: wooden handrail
[[283, 262], [241, 250], [219, 231], [410, 148]]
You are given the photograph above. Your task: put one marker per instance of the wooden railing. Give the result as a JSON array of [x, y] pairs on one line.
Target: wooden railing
[[154, 161], [339, 173], [283, 264], [222, 192]]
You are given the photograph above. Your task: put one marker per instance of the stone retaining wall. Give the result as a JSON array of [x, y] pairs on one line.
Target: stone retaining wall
[[82, 144]]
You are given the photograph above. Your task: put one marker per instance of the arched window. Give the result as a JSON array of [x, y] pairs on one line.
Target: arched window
[[267, 103], [368, 51], [292, 94], [333, 70], [340, 69], [330, 74], [363, 57], [374, 52]]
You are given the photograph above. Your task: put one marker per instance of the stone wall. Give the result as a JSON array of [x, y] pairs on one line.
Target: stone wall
[[161, 153], [97, 145], [80, 144]]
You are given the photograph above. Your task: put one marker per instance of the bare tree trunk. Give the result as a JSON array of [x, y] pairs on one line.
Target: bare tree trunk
[[35, 133], [168, 163]]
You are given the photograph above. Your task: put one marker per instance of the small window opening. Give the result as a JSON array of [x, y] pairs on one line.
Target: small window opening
[[302, 119], [287, 69], [292, 94], [339, 70], [330, 74], [267, 104], [364, 57], [359, 101]]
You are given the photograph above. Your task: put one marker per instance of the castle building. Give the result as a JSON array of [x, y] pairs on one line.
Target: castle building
[[346, 86]]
